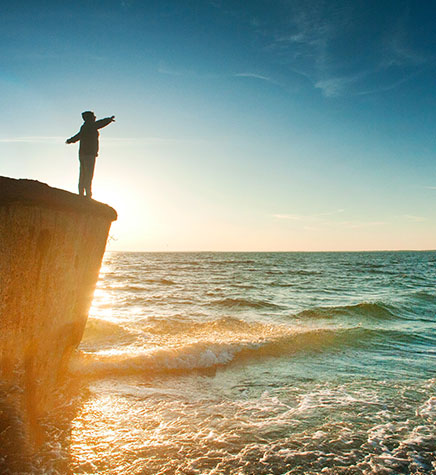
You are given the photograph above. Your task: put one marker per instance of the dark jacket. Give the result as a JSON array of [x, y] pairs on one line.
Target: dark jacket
[[88, 136]]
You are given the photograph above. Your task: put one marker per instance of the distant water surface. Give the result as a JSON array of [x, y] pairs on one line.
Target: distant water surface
[[260, 363]]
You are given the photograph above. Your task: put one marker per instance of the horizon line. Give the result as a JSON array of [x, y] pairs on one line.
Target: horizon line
[[278, 252]]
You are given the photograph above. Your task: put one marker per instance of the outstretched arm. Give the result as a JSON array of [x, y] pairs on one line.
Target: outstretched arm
[[103, 122], [73, 139]]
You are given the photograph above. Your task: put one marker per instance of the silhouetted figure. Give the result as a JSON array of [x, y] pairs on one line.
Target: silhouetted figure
[[88, 150]]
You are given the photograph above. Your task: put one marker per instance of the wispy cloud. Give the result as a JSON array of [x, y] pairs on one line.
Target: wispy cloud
[[387, 87], [169, 70], [306, 38], [361, 224], [335, 86], [430, 187], [256, 76], [415, 219], [150, 140], [164, 68], [308, 217], [356, 85], [396, 48], [109, 140], [33, 140], [292, 217], [319, 221]]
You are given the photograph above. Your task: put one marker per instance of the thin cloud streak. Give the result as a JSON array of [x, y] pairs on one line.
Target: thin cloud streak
[[256, 76], [415, 219], [110, 140], [310, 217], [163, 68], [33, 140], [361, 224], [337, 87], [322, 221]]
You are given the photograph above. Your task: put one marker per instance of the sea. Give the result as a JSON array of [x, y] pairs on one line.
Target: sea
[[257, 364]]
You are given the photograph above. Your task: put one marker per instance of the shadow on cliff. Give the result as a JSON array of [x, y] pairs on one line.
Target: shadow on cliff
[[38, 443]]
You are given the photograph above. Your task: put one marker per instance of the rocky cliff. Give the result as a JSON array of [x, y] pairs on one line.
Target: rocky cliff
[[51, 243]]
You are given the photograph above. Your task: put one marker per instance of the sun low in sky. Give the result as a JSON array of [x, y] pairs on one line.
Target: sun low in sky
[[262, 126]]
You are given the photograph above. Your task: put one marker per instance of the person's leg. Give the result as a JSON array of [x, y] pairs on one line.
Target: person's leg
[[90, 165], [82, 175]]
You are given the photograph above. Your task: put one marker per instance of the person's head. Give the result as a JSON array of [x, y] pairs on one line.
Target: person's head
[[88, 116]]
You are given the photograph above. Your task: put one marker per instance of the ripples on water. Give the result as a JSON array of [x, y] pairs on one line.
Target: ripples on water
[[259, 363]]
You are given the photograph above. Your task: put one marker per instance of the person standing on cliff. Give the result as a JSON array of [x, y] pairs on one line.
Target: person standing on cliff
[[88, 149]]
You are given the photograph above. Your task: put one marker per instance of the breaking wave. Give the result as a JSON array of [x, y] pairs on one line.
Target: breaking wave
[[244, 342], [371, 310], [241, 302], [98, 329]]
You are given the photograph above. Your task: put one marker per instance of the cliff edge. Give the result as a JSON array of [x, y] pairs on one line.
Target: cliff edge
[[52, 243]]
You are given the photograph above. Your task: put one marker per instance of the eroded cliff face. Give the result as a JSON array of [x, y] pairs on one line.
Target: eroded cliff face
[[51, 243]]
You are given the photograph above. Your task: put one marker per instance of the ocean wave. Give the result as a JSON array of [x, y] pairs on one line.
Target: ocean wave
[[226, 262], [242, 302], [428, 409], [124, 288], [305, 272], [99, 328], [424, 296], [371, 310], [178, 330], [135, 283], [290, 274], [144, 301], [161, 281], [281, 284], [210, 354], [101, 333], [184, 328]]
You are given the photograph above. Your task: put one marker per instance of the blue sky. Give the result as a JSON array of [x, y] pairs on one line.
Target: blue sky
[[262, 125]]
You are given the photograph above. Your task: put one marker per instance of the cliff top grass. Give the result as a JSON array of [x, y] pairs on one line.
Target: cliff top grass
[[35, 193]]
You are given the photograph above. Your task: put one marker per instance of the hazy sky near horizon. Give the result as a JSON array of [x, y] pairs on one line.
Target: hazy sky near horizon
[[263, 125]]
